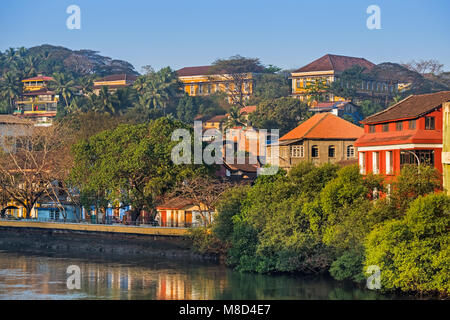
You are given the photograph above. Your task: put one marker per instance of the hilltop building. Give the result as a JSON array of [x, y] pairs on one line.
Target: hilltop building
[[328, 69], [409, 132], [114, 82], [198, 81], [323, 138], [340, 108], [38, 103]]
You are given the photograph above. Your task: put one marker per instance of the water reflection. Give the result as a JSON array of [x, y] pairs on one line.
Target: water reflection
[[25, 276]]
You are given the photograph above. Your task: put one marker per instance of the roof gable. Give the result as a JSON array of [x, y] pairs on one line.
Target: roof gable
[[324, 126], [411, 107], [336, 63], [193, 71]]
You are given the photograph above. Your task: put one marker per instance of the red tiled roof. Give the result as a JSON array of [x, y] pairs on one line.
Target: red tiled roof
[[193, 71], [44, 78], [244, 167], [248, 109], [412, 107], [175, 204], [399, 137], [117, 77], [336, 63], [324, 126]]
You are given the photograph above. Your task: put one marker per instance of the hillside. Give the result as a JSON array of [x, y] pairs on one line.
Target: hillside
[[48, 59]]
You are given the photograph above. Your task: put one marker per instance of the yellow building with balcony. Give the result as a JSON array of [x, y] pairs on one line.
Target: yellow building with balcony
[[198, 81], [38, 103]]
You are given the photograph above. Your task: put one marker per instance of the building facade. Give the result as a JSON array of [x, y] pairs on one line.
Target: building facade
[[328, 68], [38, 103], [114, 82], [324, 138], [181, 212], [409, 132], [198, 81]]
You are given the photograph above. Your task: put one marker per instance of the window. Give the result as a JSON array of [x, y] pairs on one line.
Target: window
[[297, 152], [412, 124], [200, 89], [192, 90], [371, 128], [409, 157], [376, 162], [362, 162], [217, 87], [209, 88], [385, 127], [429, 123], [389, 162], [331, 151], [399, 126], [314, 151], [299, 83], [350, 152]]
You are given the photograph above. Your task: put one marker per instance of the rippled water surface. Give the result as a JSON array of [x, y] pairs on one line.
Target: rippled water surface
[[25, 276]]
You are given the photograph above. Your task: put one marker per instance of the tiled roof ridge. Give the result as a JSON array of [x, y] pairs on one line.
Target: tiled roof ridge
[[389, 108], [316, 124]]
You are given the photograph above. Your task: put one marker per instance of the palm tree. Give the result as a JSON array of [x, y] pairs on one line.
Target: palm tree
[[64, 86], [86, 84], [30, 66], [10, 88], [235, 118], [106, 102]]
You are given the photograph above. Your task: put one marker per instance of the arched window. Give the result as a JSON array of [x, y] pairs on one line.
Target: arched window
[[350, 151], [314, 151], [331, 152]]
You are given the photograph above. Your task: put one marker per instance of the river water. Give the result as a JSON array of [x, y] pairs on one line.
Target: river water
[[31, 276]]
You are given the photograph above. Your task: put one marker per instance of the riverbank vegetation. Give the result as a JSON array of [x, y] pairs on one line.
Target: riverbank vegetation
[[331, 219]]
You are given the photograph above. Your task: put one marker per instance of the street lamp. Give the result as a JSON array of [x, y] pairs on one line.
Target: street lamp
[[415, 155]]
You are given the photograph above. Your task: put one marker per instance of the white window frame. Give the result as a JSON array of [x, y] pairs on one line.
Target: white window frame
[[376, 162], [297, 151]]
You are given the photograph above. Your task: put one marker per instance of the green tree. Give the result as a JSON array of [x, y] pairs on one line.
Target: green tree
[[10, 89], [412, 252], [64, 85]]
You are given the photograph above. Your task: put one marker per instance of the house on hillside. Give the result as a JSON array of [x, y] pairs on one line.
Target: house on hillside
[[328, 69], [324, 138], [198, 81], [38, 103], [409, 132], [114, 82]]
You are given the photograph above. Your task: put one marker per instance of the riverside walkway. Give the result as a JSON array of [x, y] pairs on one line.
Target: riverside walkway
[[143, 230]]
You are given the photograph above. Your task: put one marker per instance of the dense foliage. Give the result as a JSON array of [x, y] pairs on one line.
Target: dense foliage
[[330, 219]]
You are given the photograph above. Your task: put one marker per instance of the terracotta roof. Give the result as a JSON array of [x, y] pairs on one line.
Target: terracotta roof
[[248, 109], [324, 126], [117, 77], [193, 71], [175, 203], [412, 107], [217, 118], [336, 63], [10, 119], [44, 78], [399, 137]]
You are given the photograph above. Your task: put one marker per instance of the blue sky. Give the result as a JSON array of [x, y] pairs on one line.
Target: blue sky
[[286, 33]]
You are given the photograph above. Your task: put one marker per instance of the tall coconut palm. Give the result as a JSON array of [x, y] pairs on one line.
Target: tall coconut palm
[[235, 118], [106, 102], [10, 88], [64, 85]]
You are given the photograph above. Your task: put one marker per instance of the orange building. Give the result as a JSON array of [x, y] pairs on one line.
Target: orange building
[[323, 138], [409, 132]]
